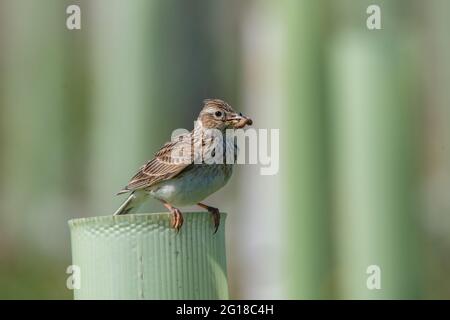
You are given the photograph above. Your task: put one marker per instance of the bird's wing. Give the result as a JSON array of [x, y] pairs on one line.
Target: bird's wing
[[169, 161]]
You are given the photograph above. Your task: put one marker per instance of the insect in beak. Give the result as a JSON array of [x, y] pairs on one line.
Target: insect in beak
[[239, 121]]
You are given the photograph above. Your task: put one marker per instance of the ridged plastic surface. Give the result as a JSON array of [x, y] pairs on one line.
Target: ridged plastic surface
[[139, 256]]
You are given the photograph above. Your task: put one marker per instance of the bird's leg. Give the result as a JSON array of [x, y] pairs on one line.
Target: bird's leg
[[215, 215], [177, 217]]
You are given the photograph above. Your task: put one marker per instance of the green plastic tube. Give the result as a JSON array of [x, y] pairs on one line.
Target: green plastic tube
[[138, 256]]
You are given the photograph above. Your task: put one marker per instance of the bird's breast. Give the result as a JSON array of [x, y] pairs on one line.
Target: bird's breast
[[197, 182]]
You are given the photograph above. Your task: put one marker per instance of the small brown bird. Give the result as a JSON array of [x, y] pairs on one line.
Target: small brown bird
[[180, 173]]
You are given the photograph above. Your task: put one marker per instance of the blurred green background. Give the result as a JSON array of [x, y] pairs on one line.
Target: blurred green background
[[364, 119]]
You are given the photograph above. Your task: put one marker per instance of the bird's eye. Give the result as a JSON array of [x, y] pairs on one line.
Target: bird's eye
[[240, 114], [218, 114]]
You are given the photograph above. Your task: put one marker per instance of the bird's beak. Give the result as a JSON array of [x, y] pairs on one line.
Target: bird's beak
[[239, 121]]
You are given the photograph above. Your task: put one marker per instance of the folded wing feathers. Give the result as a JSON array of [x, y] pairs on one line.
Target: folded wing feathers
[[162, 167]]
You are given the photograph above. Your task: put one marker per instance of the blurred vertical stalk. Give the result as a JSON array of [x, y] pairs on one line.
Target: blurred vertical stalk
[[33, 108], [304, 152], [440, 25], [375, 147], [436, 58], [122, 85], [256, 251], [77, 84]]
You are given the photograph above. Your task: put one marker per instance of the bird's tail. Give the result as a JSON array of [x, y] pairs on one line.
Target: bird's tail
[[131, 204]]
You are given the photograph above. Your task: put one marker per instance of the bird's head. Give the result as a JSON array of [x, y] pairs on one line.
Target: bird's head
[[217, 114]]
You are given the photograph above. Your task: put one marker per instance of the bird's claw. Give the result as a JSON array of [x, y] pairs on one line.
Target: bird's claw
[[177, 219], [216, 218]]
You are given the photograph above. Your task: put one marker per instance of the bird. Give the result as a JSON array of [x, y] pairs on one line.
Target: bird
[[182, 172]]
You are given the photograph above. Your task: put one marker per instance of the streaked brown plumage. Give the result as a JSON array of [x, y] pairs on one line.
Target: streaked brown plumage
[[175, 177]]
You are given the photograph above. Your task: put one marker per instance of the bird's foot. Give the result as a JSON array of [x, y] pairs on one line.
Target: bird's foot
[[177, 219]]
